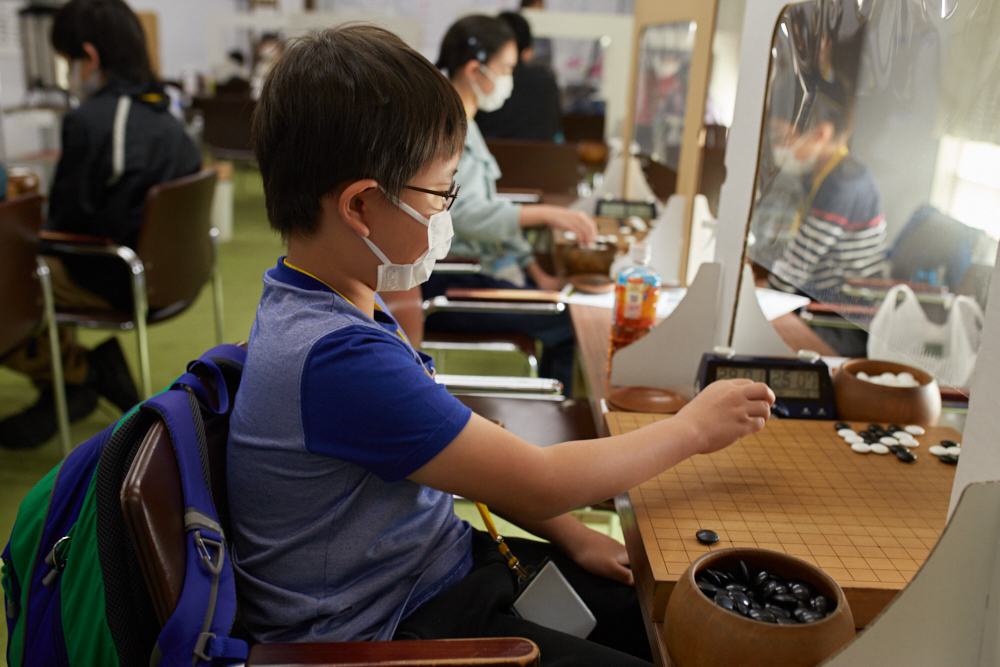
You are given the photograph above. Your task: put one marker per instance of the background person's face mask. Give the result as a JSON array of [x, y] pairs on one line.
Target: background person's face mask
[[784, 157], [503, 86], [79, 87], [401, 277]]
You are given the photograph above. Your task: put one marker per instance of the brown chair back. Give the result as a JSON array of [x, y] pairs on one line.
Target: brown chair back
[[20, 291], [227, 119], [661, 178], [583, 127], [542, 165], [174, 242]]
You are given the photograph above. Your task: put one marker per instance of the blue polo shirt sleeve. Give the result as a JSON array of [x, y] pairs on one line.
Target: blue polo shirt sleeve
[[366, 400]]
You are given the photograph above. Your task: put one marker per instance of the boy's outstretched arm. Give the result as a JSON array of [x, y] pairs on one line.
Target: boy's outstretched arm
[[491, 465]]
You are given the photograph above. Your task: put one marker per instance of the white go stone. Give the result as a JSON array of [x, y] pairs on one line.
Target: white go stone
[[914, 429], [851, 439], [909, 442], [861, 447], [888, 441], [879, 448], [938, 450], [906, 377], [863, 376], [954, 451], [901, 435], [845, 432]]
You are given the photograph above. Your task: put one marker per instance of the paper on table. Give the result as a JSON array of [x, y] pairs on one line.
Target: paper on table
[[772, 302]]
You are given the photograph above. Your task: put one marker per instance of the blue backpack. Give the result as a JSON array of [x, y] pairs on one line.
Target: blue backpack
[[73, 587]]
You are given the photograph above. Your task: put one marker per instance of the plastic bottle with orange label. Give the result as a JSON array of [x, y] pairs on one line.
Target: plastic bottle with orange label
[[636, 292]]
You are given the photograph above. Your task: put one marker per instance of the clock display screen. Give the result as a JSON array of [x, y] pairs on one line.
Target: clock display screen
[[788, 383], [741, 373]]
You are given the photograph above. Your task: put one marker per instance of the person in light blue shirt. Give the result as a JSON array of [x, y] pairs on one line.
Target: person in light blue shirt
[[479, 54]]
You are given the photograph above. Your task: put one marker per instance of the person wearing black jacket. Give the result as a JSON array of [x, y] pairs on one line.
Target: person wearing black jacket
[[119, 142], [533, 109]]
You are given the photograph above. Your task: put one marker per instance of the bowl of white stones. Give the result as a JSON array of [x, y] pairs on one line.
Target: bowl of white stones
[[869, 390]]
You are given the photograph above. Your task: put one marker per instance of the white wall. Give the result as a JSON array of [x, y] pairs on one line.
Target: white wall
[[182, 23]]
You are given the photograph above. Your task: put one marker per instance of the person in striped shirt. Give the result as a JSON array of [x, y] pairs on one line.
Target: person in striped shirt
[[838, 229]]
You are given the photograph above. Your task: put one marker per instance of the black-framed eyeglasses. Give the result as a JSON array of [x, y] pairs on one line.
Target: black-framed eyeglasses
[[449, 196]]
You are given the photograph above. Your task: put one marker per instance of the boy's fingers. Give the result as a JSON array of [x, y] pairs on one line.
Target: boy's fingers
[[759, 392]]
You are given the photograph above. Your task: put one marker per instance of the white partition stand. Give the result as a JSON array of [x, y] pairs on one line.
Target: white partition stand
[[616, 30], [753, 334], [666, 239], [701, 248], [736, 198], [980, 460], [668, 356]]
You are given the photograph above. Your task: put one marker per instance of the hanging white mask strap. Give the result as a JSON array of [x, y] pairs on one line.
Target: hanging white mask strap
[[118, 139], [374, 249]]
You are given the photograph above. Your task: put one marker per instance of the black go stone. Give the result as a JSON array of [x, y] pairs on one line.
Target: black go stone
[[840, 425], [763, 596], [949, 459], [707, 588], [894, 427], [762, 615], [725, 601], [820, 604], [744, 572], [906, 457], [949, 443], [707, 536], [896, 449]]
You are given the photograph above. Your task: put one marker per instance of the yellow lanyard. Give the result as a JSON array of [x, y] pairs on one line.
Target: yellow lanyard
[[512, 560], [399, 331], [817, 182]]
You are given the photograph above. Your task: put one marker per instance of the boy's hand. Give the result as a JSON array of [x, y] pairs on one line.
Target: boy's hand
[[727, 410], [599, 554]]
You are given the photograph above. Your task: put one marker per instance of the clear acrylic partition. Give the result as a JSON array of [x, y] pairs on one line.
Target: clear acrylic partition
[[661, 90], [578, 65], [880, 165]]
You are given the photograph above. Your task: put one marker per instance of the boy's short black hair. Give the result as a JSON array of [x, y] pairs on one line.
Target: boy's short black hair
[[114, 31], [521, 28], [475, 37], [346, 104]]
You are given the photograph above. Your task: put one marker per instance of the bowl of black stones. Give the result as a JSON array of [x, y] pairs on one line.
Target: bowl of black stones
[[755, 608]]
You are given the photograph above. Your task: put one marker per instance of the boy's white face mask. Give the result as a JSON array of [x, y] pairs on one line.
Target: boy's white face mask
[[401, 277], [503, 86]]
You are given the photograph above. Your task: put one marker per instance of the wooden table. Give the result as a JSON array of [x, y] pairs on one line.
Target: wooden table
[[869, 521]]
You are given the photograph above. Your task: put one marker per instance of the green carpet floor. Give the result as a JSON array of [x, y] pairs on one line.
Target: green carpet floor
[[253, 249]]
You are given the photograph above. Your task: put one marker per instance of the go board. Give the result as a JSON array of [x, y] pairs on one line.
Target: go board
[[796, 487]]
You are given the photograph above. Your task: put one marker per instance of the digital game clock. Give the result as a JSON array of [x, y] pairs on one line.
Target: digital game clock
[[802, 386]]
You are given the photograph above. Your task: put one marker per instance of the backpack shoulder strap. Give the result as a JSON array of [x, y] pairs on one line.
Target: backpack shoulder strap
[[197, 632]]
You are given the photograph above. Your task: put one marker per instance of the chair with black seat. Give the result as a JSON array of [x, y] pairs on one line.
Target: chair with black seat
[[153, 508], [176, 255], [26, 292]]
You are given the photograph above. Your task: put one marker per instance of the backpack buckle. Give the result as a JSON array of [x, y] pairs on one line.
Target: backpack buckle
[[203, 544], [201, 646]]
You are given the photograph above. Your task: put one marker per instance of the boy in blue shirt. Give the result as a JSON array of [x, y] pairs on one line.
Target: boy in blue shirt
[[344, 453]]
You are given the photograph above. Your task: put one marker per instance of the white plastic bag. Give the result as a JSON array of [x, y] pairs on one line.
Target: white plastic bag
[[901, 332]]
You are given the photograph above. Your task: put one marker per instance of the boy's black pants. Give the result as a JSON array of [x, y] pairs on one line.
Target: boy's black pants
[[480, 606]]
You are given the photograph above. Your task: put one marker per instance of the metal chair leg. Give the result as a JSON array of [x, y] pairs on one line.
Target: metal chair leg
[[220, 335], [141, 313], [58, 381]]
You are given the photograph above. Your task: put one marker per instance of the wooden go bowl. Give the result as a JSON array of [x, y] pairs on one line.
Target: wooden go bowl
[[862, 401], [698, 633]]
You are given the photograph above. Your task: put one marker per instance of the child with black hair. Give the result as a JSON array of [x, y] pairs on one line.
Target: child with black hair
[[119, 142], [344, 452]]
